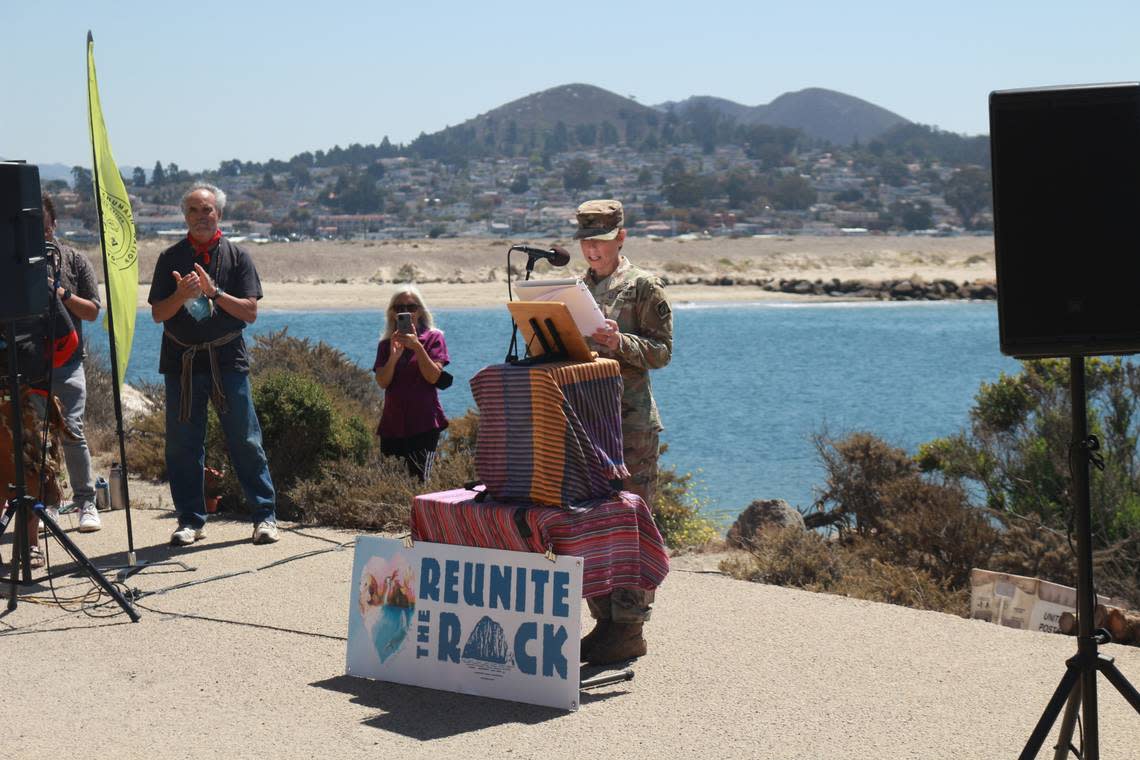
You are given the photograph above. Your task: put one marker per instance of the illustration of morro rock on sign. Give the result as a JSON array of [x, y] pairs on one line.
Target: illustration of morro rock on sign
[[475, 621]]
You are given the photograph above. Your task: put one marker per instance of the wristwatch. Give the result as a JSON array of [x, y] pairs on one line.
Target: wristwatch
[[66, 295], [217, 292]]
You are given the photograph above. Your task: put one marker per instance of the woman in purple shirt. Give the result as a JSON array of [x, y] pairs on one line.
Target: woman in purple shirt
[[409, 367]]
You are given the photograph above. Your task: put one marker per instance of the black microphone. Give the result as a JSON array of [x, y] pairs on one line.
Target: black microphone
[[556, 254]]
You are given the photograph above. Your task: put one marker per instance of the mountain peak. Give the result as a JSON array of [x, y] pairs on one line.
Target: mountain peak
[[819, 112], [571, 104]]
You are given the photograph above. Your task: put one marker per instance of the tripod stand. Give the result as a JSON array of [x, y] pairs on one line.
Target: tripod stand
[[21, 506], [1079, 682]]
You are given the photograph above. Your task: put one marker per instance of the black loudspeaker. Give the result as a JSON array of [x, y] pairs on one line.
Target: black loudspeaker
[[1066, 184], [23, 259]]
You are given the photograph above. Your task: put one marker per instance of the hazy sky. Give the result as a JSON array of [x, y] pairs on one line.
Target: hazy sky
[[199, 82]]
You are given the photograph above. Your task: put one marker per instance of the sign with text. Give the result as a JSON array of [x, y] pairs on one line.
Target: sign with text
[[475, 621], [1016, 601]]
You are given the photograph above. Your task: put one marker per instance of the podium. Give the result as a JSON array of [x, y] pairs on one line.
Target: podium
[[550, 433]]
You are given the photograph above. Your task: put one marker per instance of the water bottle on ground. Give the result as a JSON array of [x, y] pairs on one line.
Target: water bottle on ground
[[117, 488], [102, 494]]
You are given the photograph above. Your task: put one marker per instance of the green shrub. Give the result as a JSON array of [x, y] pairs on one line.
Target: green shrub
[[350, 387], [858, 467], [899, 537], [1015, 455], [677, 511], [301, 431], [377, 494], [1016, 449]]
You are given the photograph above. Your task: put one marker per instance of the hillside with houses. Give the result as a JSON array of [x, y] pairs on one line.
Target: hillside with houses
[[812, 162]]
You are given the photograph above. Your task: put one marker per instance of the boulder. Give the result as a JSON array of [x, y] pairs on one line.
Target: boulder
[[985, 290], [906, 287], [760, 516]]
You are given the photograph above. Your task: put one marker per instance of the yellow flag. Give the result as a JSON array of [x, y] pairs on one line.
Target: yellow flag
[[120, 246]]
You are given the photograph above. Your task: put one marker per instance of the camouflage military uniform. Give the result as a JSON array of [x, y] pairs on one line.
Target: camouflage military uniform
[[635, 299]]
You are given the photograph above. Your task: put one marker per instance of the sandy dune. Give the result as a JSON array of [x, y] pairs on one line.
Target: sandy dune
[[471, 272]]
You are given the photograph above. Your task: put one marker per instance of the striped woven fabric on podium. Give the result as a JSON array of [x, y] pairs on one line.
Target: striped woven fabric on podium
[[616, 538], [549, 434]]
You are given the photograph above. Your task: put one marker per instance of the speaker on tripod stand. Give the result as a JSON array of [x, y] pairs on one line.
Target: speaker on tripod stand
[[29, 314], [1066, 181]]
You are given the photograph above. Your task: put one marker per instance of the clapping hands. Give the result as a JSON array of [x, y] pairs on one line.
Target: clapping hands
[[193, 284]]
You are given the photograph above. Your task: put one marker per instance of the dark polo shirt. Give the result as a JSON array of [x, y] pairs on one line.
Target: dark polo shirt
[[233, 271]]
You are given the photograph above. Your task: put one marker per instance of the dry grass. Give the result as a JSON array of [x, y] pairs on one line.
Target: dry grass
[[804, 559]]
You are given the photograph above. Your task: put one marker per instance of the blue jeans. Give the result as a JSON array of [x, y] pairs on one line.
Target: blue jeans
[[69, 385], [186, 447]]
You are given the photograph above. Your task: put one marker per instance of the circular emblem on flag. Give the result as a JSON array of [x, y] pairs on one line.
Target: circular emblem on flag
[[118, 230]]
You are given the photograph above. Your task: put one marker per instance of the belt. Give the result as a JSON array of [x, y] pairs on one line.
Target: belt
[[217, 393]]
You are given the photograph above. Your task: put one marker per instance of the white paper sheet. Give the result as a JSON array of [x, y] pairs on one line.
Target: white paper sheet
[[572, 292]]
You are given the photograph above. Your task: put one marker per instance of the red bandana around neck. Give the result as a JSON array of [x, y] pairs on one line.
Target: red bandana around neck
[[203, 249]]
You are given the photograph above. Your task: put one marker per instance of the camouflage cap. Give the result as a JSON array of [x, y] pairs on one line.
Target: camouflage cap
[[599, 220]]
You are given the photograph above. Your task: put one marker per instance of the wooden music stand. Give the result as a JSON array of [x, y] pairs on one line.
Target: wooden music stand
[[549, 331]]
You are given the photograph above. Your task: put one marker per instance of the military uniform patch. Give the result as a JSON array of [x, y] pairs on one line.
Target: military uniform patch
[[663, 310]]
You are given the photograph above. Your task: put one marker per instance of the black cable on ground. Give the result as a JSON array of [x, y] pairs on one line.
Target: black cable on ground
[[96, 598], [275, 563], [209, 619]]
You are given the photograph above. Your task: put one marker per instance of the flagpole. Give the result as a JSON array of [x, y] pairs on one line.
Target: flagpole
[[116, 393]]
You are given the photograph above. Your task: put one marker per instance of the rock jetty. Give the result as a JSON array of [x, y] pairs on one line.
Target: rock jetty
[[883, 290]]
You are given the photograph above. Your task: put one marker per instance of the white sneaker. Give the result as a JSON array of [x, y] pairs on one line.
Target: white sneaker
[[53, 513], [186, 535], [89, 521], [265, 532]]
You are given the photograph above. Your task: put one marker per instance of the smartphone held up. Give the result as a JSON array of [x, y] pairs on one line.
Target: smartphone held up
[[404, 323]]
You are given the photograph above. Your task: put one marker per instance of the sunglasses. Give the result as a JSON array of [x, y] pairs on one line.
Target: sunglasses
[[406, 307]]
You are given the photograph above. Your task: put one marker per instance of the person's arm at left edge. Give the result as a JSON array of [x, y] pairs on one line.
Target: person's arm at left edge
[[244, 308]]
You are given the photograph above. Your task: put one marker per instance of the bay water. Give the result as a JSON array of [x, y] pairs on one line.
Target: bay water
[[748, 386]]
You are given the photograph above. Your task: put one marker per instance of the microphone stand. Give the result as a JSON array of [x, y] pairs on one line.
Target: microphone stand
[[512, 351]]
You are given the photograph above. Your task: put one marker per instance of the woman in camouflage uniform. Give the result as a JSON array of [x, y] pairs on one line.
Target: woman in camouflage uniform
[[639, 336]]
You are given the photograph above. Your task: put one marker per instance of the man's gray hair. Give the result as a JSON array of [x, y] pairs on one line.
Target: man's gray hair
[[219, 195]]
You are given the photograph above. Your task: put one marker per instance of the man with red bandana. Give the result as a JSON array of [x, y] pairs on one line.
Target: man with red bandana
[[204, 292]]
